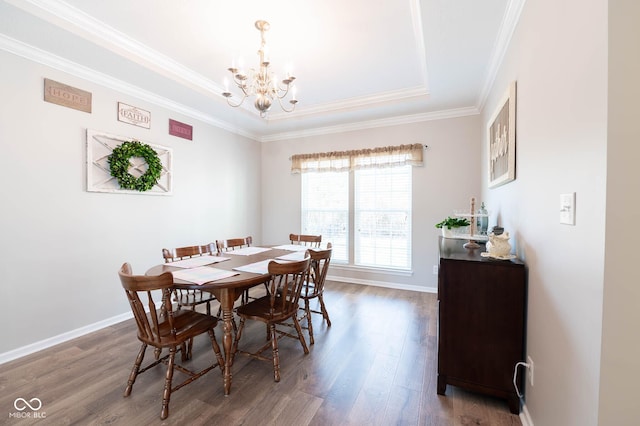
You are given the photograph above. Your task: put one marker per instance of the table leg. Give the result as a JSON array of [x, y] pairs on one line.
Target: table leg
[[226, 297]]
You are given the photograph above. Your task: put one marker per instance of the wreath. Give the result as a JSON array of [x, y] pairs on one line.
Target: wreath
[[119, 165]]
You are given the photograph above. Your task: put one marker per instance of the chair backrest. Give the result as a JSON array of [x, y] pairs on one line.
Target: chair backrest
[[320, 260], [151, 329], [233, 243], [187, 252], [206, 249], [285, 285], [306, 240]]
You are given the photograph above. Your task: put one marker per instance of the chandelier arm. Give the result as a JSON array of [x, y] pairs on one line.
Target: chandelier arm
[[293, 105], [284, 91], [239, 103]]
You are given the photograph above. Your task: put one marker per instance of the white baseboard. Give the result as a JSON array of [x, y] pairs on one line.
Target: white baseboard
[[60, 338], [382, 284], [525, 418], [78, 332]]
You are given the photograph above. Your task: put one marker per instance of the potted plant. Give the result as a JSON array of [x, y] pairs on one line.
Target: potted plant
[[450, 223]]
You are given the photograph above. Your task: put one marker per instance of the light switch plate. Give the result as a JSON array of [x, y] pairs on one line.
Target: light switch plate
[[568, 208]]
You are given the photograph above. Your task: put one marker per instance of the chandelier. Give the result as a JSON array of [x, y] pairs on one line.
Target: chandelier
[[262, 83]]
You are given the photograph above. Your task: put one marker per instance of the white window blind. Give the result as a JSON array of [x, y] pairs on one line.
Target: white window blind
[[382, 217], [325, 210]]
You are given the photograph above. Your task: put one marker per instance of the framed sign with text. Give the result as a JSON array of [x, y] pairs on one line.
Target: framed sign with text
[[180, 130], [133, 115], [68, 96]]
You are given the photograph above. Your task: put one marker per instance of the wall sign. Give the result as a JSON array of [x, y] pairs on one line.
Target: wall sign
[[132, 115], [180, 130], [68, 96]]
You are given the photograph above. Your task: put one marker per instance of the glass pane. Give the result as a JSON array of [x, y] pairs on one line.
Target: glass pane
[[383, 217], [325, 210]]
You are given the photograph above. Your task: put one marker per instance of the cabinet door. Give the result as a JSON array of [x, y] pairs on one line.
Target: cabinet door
[[482, 315]]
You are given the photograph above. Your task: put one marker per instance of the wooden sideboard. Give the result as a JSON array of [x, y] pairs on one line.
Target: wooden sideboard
[[481, 321]]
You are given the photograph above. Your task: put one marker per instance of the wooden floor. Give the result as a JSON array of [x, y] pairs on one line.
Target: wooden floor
[[376, 365]]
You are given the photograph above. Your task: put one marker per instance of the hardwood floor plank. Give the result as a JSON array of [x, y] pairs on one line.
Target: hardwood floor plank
[[376, 365]]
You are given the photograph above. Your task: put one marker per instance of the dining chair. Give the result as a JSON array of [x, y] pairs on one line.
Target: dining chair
[[314, 287], [232, 244], [277, 307], [162, 327], [191, 298], [306, 240]]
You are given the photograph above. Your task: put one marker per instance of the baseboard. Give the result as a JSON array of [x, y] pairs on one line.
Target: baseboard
[[382, 284], [78, 332], [60, 338], [525, 418]]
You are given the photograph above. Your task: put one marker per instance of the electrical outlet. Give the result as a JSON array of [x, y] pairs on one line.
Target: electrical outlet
[[435, 269], [530, 370]]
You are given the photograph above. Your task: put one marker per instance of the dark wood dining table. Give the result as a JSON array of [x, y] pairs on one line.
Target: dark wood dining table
[[227, 291]]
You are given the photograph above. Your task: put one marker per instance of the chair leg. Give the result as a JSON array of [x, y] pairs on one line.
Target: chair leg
[[276, 356], [237, 339], [323, 308], [300, 335], [135, 370], [216, 349], [166, 395], [307, 310]]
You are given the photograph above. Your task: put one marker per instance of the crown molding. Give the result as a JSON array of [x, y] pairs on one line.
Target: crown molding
[[507, 28], [45, 58], [355, 103], [78, 22], [372, 124], [74, 20]]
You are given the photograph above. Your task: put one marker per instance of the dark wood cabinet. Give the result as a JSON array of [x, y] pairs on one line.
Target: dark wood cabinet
[[481, 321]]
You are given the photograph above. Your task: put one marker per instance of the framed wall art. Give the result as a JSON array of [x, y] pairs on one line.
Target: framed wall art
[[134, 115], [100, 179], [501, 135]]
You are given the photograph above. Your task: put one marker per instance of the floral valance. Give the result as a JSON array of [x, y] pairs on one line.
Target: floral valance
[[338, 161]]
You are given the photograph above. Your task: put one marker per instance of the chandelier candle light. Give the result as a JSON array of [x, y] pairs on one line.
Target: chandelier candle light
[[262, 82]]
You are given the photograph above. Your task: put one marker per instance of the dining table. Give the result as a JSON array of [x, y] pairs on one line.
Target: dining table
[[248, 266]]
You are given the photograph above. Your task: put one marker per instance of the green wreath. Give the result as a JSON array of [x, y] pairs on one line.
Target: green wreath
[[119, 165]]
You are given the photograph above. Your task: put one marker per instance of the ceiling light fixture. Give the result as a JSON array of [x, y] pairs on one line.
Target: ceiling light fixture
[[261, 82]]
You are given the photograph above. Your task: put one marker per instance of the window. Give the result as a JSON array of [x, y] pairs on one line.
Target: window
[[382, 217], [365, 214]]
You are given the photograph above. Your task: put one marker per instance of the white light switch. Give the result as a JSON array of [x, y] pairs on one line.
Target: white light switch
[[568, 208]]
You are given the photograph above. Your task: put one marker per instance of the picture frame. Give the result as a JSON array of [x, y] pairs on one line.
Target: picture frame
[[133, 115], [99, 179], [501, 140]]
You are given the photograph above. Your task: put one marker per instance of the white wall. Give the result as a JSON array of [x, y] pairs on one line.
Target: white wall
[[558, 56], [620, 369], [446, 182], [61, 246]]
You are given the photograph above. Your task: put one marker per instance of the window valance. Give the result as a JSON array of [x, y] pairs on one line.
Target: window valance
[[338, 161]]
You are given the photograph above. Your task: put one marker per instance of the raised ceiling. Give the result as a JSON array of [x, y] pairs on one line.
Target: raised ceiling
[[359, 63]]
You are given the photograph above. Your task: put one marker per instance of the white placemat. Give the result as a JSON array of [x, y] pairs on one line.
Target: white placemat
[[198, 261], [295, 256], [202, 274], [247, 251], [292, 247], [261, 267]]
